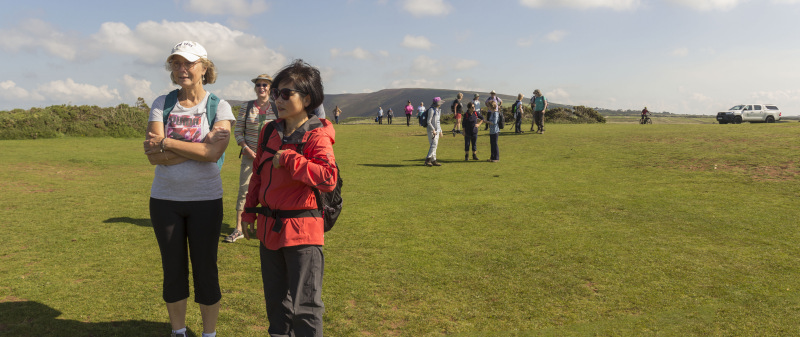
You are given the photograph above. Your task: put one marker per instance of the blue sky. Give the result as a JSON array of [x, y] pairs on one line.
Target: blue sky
[[682, 56]]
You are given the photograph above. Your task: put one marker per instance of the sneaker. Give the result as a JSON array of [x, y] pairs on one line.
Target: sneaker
[[236, 235], [435, 163], [428, 162]]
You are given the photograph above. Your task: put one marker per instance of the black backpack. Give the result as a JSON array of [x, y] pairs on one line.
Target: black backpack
[[501, 120], [328, 203]]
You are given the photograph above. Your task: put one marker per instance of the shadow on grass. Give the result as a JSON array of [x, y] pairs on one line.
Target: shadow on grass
[[132, 221], [28, 318]]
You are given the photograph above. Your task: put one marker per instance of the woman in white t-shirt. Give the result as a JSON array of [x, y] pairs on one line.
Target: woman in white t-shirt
[[185, 144]]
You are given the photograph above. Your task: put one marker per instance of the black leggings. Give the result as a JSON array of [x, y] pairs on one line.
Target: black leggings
[[193, 226]]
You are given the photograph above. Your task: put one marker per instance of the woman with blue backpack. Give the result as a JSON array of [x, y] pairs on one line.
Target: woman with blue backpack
[[187, 134]]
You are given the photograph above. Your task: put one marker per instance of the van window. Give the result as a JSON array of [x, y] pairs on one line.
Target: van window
[[771, 107], [748, 107], [756, 107]]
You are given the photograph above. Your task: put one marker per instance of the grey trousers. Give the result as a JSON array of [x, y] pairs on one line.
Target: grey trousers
[[292, 279]]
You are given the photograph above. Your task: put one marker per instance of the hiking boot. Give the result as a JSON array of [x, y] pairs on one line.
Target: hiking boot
[[428, 162], [435, 163], [236, 235], [177, 335], [475, 157], [466, 157]]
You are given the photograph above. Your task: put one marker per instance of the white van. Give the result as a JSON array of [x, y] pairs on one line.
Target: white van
[[753, 113]]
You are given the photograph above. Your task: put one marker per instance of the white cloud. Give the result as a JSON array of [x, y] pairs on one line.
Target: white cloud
[[775, 96], [357, 53], [415, 83], [466, 64], [240, 8], [525, 41], [583, 4], [417, 42], [33, 34], [135, 88], [420, 8], [556, 36], [707, 5], [559, 94], [680, 52], [70, 91], [150, 42], [426, 66], [238, 90], [10, 91], [383, 53]]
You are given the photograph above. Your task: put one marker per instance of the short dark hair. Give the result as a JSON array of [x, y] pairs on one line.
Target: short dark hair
[[306, 79]]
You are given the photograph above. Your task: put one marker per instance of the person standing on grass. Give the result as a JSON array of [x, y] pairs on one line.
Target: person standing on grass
[[186, 195], [389, 115], [497, 104], [494, 130], [539, 107], [476, 100], [298, 157], [470, 123], [336, 113], [456, 109], [434, 131], [518, 112], [252, 117], [421, 108], [409, 111], [380, 115]]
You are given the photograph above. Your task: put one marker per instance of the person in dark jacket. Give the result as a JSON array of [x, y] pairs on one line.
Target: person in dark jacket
[[469, 123]]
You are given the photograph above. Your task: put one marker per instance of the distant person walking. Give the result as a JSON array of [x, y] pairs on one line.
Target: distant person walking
[[477, 101], [434, 131], [456, 109], [186, 211], [494, 130], [470, 123], [421, 109], [518, 111], [539, 107], [380, 115], [409, 110], [497, 104], [389, 115], [336, 113], [251, 118]]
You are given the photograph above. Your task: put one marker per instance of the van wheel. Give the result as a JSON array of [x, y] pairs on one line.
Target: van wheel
[[770, 119], [737, 120]]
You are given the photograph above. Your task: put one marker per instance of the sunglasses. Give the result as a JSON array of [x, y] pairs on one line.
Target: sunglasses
[[261, 85], [284, 93]]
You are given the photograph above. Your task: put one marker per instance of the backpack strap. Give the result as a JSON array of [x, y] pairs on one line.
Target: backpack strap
[[169, 104], [211, 112], [265, 136]]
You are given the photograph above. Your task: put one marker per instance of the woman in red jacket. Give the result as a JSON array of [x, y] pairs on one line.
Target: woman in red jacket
[[298, 156]]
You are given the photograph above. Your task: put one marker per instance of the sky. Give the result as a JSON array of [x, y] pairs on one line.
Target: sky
[[680, 56]]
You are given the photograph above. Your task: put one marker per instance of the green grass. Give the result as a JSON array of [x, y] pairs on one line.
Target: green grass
[[615, 229]]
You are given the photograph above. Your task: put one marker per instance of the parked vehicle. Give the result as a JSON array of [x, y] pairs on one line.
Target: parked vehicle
[[753, 113]]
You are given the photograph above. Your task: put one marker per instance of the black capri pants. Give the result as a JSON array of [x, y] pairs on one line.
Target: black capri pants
[[193, 227], [470, 137]]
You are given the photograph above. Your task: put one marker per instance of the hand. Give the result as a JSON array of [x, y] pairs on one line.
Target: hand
[[152, 143], [247, 228], [276, 160], [217, 134], [248, 152]]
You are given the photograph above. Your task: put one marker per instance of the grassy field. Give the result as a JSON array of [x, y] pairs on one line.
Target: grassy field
[[606, 229]]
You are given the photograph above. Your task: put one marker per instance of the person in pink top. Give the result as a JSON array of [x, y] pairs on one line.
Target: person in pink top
[[409, 111]]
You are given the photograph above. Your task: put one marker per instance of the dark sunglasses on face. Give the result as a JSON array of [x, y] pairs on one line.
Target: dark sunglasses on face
[[262, 85], [284, 93]]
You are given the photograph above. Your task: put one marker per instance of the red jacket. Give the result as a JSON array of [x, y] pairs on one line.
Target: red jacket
[[288, 187]]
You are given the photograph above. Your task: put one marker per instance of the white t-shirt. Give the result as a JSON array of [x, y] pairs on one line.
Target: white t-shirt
[[191, 180]]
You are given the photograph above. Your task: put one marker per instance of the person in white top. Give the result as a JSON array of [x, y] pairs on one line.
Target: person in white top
[[434, 131], [186, 195]]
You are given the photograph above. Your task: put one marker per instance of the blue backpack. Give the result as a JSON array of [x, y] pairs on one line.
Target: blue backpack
[[211, 112], [423, 119]]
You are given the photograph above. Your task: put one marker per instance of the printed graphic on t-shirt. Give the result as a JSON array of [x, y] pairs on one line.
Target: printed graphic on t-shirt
[[187, 128]]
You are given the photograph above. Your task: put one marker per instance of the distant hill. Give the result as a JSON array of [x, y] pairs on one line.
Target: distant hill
[[362, 105]]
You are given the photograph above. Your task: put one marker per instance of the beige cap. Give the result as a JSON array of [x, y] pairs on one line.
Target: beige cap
[[262, 77]]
